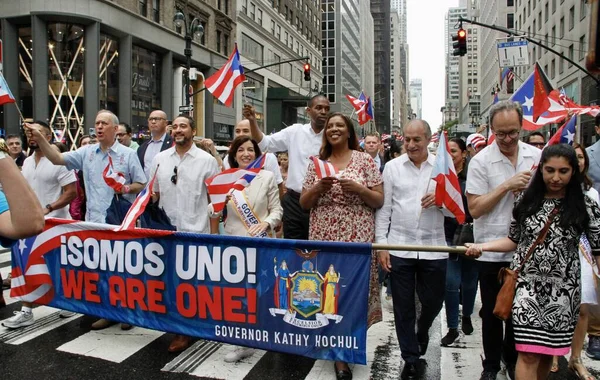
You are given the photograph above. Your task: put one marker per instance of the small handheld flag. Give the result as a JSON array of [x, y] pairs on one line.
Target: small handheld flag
[[447, 189], [565, 134], [138, 206], [220, 185], [6, 97], [113, 179], [323, 168]]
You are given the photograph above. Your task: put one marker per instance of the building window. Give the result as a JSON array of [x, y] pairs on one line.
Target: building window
[[278, 35], [552, 68], [245, 6], [226, 43], [553, 6], [285, 38], [582, 9], [546, 12], [143, 8], [571, 54], [108, 84], [156, 10], [146, 66], [272, 27], [582, 47], [252, 11], [561, 30], [218, 41], [203, 38], [510, 3], [553, 36], [510, 20], [561, 64], [572, 18], [259, 17]]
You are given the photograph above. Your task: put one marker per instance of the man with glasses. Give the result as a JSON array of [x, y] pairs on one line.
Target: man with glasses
[[496, 175], [124, 136], [536, 139], [161, 140], [180, 189]]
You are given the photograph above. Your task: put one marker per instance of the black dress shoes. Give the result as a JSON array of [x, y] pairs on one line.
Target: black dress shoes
[[342, 374], [409, 372]]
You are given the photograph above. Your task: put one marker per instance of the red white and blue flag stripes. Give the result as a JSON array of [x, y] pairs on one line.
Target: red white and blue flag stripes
[[138, 206], [220, 185], [116, 180], [565, 134], [447, 190], [6, 96], [223, 83], [323, 168]]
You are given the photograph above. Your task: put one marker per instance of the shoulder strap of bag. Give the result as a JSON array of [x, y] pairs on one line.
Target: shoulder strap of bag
[[539, 239]]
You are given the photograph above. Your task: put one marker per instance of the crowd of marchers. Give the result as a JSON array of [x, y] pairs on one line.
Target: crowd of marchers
[[529, 207]]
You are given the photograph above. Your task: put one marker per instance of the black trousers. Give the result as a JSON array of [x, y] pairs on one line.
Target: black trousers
[[295, 219], [428, 278], [498, 336]]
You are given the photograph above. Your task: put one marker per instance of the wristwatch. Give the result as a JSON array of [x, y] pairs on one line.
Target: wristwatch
[[49, 207]]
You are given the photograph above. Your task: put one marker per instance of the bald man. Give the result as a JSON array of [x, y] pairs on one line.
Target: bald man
[[161, 140], [271, 164]]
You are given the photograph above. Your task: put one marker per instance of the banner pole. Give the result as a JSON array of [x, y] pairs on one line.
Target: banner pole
[[420, 248]]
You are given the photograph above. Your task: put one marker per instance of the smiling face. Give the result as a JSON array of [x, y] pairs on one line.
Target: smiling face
[[458, 155], [580, 159], [557, 173], [506, 127], [245, 154], [337, 131], [183, 133], [416, 141]]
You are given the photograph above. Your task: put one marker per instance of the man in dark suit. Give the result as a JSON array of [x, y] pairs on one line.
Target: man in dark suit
[[161, 140]]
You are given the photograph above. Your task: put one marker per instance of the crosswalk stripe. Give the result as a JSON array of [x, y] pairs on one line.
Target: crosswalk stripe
[[191, 358], [46, 319], [112, 344]]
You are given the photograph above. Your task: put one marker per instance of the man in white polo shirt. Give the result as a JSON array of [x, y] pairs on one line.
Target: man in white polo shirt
[[496, 175], [55, 188], [301, 141]]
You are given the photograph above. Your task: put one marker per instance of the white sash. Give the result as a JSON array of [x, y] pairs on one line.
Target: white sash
[[245, 212]]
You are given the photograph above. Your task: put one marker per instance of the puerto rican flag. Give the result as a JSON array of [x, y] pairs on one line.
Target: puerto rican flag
[[223, 83], [323, 168], [138, 206], [356, 102], [116, 180], [555, 113], [31, 281], [447, 189], [220, 185], [6, 96], [365, 113], [565, 134]]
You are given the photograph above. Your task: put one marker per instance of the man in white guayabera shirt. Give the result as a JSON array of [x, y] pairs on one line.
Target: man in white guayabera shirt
[[301, 141], [495, 175]]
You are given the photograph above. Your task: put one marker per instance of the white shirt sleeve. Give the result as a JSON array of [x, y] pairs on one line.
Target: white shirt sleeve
[[477, 179], [66, 176], [273, 166], [384, 214], [278, 142]]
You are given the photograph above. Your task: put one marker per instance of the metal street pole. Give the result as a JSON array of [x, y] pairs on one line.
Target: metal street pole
[[195, 28], [188, 66]]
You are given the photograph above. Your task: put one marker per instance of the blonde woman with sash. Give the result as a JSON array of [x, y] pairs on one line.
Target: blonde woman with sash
[[255, 211]]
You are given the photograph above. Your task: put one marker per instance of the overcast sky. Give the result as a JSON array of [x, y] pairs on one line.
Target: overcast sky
[[426, 53]]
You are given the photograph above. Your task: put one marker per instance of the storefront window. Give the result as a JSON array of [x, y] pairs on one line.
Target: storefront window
[[108, 82], [25, 73], [145, 89], [65, 82]]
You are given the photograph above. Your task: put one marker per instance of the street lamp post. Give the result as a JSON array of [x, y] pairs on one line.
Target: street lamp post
[[195, 29]]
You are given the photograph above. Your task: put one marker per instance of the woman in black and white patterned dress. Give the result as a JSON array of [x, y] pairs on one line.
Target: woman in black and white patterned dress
[[547, 298]]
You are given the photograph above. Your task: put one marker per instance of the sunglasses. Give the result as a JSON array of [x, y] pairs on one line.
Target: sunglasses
[[174, 176]]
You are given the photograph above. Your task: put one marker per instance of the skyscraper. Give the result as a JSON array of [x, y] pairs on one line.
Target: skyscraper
[[381, 10]]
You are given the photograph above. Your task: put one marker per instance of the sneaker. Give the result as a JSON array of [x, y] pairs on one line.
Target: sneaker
[[21, 319], [488, 375], [450, 337], [467, 326], [238, 354], [593, 349], [66, 314]]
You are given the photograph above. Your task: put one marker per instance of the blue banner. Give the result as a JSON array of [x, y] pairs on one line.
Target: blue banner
[[299, 297]]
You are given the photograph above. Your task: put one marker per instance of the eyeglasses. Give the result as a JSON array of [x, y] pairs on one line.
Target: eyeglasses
[[174, 176], [151, 119], [502, 135]]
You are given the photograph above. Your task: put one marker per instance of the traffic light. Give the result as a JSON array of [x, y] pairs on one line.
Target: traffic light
[[460, 44], [307, 72]]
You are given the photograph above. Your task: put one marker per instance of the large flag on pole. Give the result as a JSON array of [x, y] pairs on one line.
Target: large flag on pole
[[6, 96], [541, 90], [223, 83], [447, 190], [565, 134]]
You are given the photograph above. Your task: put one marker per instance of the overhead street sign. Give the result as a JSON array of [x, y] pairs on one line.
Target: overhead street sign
[[186, 109], [514, 53]]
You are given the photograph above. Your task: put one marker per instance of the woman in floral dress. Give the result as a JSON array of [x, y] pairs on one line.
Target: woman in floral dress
[[547, 297], [342, 208]]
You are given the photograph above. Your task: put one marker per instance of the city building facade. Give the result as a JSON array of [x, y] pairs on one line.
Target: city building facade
[[416, 98], [63, 62], [270, 32], [453, 63], [469, 103], [381, 10]]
